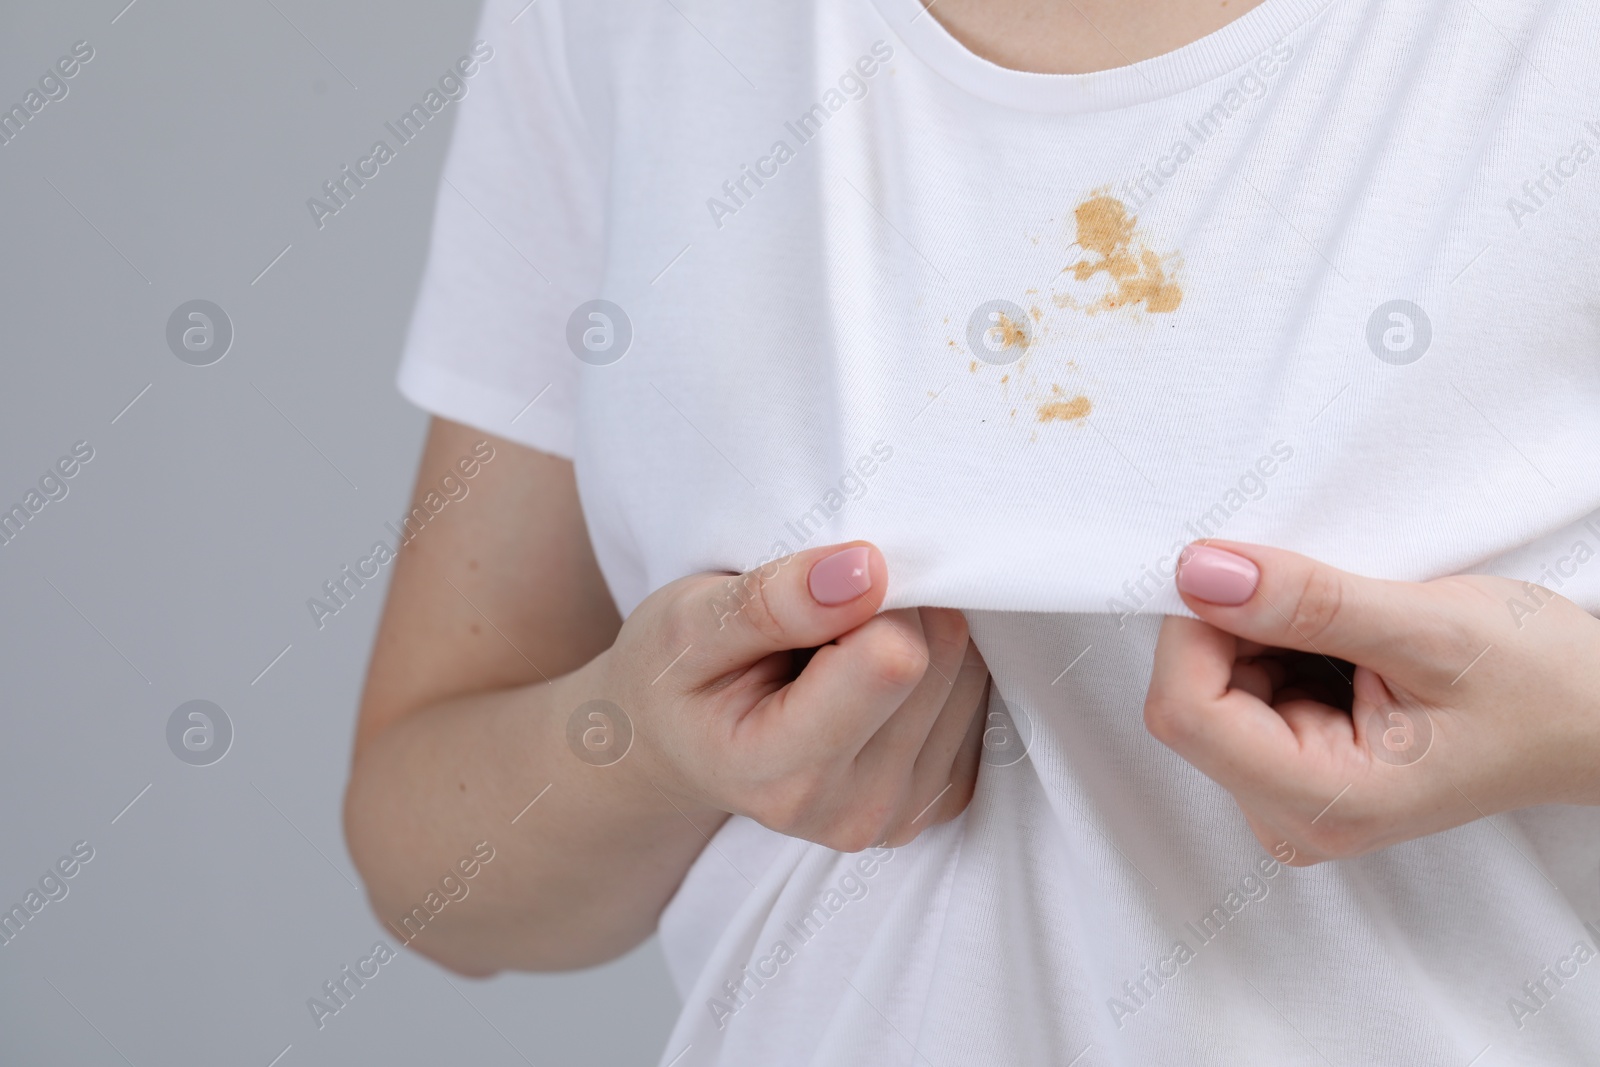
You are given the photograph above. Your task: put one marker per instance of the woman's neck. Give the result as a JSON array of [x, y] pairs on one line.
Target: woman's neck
[[1080, 36]]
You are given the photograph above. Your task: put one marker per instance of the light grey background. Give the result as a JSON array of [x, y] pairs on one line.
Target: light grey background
[[179, 565]]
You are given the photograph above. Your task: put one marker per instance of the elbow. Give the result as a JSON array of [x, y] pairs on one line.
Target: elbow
[[369, 838], [362, 833], [453, 961]]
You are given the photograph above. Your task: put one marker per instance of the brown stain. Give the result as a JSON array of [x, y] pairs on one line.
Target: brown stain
[[1011, 334], [1106, 230], [1139, 278], [1058, 409]]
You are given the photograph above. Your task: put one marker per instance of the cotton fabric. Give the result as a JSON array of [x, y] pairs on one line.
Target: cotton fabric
[[1323, 280]]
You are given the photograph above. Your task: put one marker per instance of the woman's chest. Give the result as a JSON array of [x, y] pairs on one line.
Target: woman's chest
[[1301, 302]]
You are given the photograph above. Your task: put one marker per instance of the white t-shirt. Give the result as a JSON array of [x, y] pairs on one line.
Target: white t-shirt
[[1324, 279]]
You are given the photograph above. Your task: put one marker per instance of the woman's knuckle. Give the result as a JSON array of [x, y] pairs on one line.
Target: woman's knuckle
[[897, 663], [759, 610], [1304, 857], [858, 833], [1335, 836], [1166, 719], [1318, 606], [946, 634], [836, 838], [788, 805]]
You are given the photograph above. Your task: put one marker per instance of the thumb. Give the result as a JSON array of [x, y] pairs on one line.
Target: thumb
[[799, 601], [1287, 600]]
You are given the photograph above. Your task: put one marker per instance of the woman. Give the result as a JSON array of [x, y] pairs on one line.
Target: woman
[[896, 374]]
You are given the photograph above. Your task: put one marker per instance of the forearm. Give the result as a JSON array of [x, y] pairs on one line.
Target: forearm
[[578, 877]]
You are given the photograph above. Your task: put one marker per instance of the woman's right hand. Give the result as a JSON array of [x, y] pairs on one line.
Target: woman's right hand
[[869, 740], [477, 723]]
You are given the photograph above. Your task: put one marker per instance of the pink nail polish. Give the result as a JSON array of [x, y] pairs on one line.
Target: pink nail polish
[[1217, 576], [841, 577]]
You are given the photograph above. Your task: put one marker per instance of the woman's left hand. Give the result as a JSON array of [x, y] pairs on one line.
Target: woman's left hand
[[1346, 714]]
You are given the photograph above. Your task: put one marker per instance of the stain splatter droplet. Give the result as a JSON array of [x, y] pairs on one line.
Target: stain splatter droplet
[[1011, 334], [1058, 409]]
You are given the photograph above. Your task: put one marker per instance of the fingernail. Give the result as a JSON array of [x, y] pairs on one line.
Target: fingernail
[[841, 577], [1217, 576]]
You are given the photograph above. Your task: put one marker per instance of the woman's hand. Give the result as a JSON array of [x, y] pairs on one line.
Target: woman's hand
[[1346, 714], [868, 740]]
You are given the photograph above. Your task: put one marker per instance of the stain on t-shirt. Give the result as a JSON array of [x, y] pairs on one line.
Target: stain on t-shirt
[[1061, 409], [1138, 275], [1118, 269], [1012, 334]]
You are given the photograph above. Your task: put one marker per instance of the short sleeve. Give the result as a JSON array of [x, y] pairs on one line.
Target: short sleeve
[[517, 240]]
